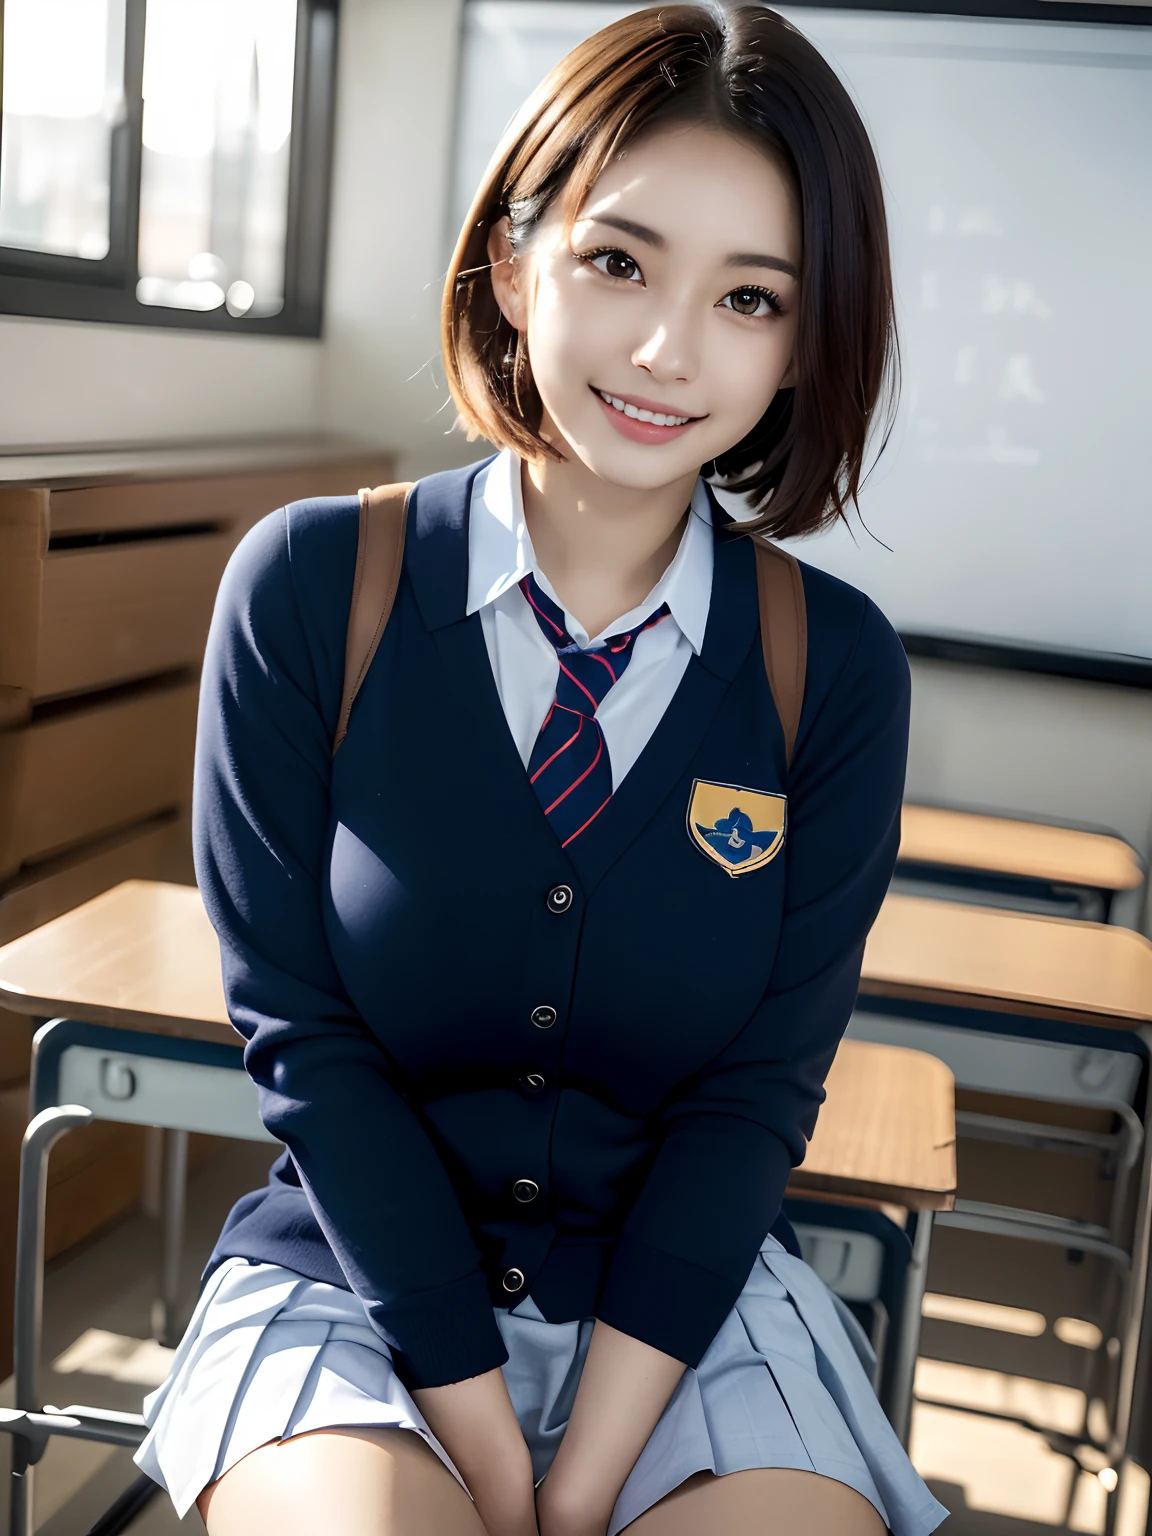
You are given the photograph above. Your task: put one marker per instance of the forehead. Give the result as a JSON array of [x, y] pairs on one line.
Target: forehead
[[701, 187]]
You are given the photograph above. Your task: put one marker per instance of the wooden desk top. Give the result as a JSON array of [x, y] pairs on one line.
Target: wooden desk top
[[143, 955], [963, 840], [1009, 962], [887, 1130]]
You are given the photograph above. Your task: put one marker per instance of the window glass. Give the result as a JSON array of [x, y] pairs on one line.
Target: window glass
[[214, 177], [63, 94]]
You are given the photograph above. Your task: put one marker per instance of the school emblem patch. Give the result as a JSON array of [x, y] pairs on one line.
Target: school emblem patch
[[739, 829]]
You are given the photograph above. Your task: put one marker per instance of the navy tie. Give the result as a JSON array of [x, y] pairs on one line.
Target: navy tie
[[569, 768]]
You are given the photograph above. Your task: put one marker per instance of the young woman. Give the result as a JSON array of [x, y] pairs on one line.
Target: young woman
[[542, 973]]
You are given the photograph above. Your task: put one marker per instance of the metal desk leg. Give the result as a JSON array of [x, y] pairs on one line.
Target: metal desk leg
[[1135, 1288], [42, 1133], [166, 1326], [899, 1404]]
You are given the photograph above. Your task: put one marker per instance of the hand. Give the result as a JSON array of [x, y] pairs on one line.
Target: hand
[[475, 1423], [565, 1508], [624, 1387]]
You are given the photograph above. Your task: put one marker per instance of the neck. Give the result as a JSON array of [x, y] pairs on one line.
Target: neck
[[603, 547]]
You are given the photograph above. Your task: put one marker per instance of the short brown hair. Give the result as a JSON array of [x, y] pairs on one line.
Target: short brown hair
[[746, 70]]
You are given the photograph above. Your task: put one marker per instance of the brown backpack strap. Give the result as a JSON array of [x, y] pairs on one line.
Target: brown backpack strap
[[379, 556], [783, 634]]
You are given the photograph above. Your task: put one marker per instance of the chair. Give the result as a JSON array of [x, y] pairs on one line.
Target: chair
[[1058, 1063], [83, 1072]]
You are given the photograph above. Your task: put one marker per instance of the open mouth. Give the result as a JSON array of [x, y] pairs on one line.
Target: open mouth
[[636, 413]]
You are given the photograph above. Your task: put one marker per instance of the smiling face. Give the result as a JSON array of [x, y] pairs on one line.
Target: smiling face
[[675, 298]]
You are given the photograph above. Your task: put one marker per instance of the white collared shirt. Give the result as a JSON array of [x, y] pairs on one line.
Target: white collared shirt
[[524, 663]]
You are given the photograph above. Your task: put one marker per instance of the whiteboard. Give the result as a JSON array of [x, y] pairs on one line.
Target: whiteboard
[[1015, 494]]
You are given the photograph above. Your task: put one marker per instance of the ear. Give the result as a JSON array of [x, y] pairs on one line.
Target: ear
[[505, 274]]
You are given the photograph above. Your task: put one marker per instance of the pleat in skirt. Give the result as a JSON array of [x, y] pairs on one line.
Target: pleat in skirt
[[785, 1383]]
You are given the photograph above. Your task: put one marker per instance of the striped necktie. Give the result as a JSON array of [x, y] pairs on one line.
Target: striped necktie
[[569, 768]]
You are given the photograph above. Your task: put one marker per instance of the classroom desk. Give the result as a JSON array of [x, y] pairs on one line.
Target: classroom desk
[[959, 957], [1009, 962], [143, 957], [1016, 856]]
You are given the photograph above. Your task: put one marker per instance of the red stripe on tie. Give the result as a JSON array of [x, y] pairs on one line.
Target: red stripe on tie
[[596, 656], [595, 702], [581, 718], [599, 749], [552, 622], [588, 823]]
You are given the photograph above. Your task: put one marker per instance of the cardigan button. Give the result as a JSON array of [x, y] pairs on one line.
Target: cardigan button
[[544, 1017], [532, 1081], [513, 1280], [525, 1191], [559, 898]]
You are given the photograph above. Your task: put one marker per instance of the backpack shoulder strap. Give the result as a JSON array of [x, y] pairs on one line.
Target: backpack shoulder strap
[[783, 634], [379, 556]]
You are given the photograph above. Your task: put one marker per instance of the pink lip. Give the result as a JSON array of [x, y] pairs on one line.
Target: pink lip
[[642, 431]]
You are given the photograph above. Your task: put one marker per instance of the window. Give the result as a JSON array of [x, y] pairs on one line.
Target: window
[[165, 162]]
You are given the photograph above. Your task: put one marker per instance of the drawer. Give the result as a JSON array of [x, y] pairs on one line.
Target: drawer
[[23, 539], [241, 498], [126, 610], [158, 849], [81, 773]]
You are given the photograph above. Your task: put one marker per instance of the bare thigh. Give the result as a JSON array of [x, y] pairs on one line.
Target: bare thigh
[[358, 1481], [768, 1501]]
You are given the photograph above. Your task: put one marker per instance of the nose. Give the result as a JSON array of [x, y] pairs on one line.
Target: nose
[[670, 353]]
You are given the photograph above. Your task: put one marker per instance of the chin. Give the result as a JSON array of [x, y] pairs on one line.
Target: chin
[[636, 466]]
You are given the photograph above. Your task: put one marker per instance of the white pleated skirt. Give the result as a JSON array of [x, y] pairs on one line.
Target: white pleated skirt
[[785, 1383]]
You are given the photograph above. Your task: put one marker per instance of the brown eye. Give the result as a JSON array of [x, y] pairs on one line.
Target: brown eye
[[616, 263], [747, 301]]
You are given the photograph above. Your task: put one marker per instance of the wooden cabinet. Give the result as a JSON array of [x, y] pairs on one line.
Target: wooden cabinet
[[120, 611], [109, 565]]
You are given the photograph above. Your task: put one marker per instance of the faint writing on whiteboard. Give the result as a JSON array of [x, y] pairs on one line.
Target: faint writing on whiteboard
[[1017, 379], [1000, 296], [1019, 382]]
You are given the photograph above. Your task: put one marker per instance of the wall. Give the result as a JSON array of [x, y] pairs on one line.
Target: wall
[[396, 96], [1003, 741], [71, 382]]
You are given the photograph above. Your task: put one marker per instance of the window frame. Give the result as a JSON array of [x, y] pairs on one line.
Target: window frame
[[48, 285]]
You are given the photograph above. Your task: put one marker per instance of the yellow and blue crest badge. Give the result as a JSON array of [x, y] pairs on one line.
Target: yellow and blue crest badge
[[739, 829]]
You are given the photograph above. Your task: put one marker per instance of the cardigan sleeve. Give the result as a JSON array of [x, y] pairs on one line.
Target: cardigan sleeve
[[729, 1140], [261, 814]]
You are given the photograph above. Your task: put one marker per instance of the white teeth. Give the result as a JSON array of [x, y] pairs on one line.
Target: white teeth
[[658, 418]]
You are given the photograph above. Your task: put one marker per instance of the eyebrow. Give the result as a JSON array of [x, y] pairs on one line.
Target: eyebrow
[[650, 237]]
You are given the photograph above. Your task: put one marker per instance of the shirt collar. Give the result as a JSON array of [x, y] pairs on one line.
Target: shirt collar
[[500, 555]]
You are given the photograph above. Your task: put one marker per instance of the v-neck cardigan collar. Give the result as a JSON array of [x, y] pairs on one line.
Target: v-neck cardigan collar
[[436, 564]]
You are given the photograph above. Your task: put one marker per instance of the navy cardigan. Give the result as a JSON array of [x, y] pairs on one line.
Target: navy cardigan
[[390, 951]]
